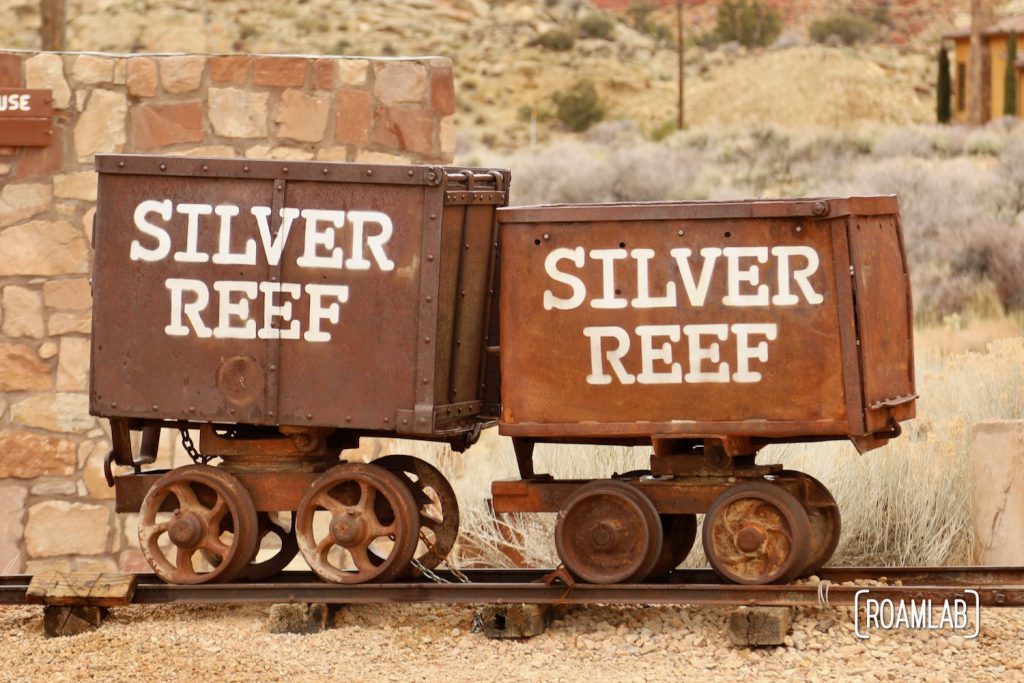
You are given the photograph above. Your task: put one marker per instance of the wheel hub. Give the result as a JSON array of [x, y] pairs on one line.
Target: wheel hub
[[186, 530], [349, 528], [750, 539], [604, 535]]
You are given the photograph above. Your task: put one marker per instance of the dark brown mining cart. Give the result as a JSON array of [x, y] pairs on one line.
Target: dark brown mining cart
[[285, 309], [707, 329]]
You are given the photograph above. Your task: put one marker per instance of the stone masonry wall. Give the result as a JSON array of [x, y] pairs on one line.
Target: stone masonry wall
[[56, 511]]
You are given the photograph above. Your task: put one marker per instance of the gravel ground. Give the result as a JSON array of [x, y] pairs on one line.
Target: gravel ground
[[433, 643]]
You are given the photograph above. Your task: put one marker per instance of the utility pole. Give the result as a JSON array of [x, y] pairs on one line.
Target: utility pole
[[979, 64], [680, 119], [51, 29]]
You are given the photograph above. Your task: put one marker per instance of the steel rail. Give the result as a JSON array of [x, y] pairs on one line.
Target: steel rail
[[995, 586]]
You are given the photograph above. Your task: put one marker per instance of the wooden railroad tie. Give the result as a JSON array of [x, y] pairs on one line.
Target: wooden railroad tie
[[76, 603]]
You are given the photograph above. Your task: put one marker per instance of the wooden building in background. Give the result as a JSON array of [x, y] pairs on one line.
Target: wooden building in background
[[995, 40]]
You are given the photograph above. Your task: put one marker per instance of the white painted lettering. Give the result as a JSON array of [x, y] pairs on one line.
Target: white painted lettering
[[801, 277], [643, 285], [648, 355], [138, 252], [375, 243], [191, 310], [579, 291], [230, 309], [273, 247], [316, 239], [614, 356], [283, 311], [745, 352], [696, 291], [224, 254], [609, 298], [698, 353], [319, 311], [192, 253], [750, 275]]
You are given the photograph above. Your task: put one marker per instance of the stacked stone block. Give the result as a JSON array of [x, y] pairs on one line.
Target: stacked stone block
[[56, 511]]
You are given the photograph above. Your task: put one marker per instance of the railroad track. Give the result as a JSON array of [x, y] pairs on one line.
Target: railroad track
[[995, 586]]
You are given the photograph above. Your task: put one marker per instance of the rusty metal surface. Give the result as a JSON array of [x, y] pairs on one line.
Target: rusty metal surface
[[372, 525], [756, 533], [270, 492], [621, 332], [211, 517], [295, 309], [608, 532], [885, 317], [996, 587], [283, 550], [438, 506]]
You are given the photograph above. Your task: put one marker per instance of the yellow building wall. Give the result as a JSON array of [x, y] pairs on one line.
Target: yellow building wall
[[997, 52]]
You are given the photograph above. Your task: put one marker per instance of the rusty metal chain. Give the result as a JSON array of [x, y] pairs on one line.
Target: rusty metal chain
[[193, 452], [431, 574]]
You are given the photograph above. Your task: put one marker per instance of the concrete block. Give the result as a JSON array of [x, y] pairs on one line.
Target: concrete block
[[997, 492], [513, 621], [298, 618], [752, 626]]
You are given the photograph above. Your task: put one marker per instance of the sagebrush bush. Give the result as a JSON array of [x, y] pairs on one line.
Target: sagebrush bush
[[748, 22], [850, 29], [556, 40], [580, 107], [596, 26]]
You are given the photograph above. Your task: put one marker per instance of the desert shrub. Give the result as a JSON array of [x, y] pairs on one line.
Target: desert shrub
[[904, 142], [639, 13], [624, 168], [556, 40], [1011, 175], [764, 160], [580, 107], [984, 141], [663, 130], [596, 26], [706, 39], [850, 29], [748, 22]]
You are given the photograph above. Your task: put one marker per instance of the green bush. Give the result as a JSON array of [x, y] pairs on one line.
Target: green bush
[[849, 28], [944, 89], [748, 22], [596, 26], [580, 107], [556, 39]]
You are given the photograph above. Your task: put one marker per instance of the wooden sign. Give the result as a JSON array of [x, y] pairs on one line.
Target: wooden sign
[[26, 117]]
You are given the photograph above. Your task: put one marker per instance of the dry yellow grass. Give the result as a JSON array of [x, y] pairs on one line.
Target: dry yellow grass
[[907, 503]]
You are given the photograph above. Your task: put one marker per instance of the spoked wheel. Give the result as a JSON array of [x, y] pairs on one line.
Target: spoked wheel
[[278, 535], [357, 523], [826, 524], [608, 532], [757, 533], [211, 514], [679, 533], [438, 507]]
